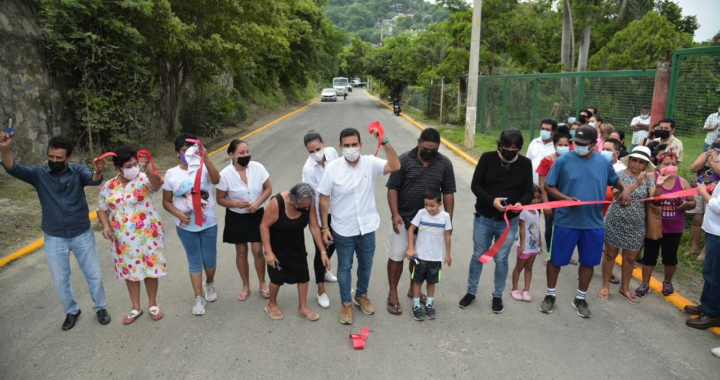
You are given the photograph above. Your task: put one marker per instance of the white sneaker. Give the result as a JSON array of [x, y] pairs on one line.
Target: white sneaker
[[329, 277], [209, 290], [199, 306], [323, 300]]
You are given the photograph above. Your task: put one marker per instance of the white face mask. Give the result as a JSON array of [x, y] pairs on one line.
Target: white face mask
[[562, 150], [131, 173], [351, 154], [644, 116], [582, 150], [607, 154], [317, 156]]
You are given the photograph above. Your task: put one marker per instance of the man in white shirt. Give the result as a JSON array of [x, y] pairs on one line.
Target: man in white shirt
[[350, 184], [640, 126], [712, 126], [613, 147], [542, 146]]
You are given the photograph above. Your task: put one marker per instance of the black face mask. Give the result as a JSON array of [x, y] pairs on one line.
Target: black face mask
[[428, 155], [582, 119], [662, 133], [508, 155], [57, 166], [716, 146], [243, 161]]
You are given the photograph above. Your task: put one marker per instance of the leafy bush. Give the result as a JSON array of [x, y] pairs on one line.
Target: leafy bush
[[210, 107]]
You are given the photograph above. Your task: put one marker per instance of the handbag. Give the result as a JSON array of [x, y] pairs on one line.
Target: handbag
[[653, 221]]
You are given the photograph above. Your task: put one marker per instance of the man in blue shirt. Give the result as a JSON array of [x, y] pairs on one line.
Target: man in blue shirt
[[579, 176], [65, 222]]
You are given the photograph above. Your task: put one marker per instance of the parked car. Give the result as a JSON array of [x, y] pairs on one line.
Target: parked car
[[328, 95]]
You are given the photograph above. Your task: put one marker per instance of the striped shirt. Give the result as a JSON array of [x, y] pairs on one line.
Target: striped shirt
[[712, 121], [414, 178], [430, 244]]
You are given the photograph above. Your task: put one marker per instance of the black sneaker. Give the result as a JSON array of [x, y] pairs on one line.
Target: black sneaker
[[430, 311], [418, 313], [497, 305], [466, 301], [547, 304]]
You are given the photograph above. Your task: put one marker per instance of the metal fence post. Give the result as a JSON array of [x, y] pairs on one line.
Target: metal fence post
[[580, 96], [504, 105], [442, 95], [534, 107], [481, 105]]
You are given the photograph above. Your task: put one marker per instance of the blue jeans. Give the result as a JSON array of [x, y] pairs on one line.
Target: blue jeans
[[345, 246], [200, 248], [705, 148], [57, 252], [710, 297], [485, 231]]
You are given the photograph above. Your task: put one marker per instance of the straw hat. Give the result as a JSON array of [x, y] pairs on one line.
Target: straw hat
[[642, 153]]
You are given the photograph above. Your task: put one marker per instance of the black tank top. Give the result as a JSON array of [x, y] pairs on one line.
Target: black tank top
[[287, 236]]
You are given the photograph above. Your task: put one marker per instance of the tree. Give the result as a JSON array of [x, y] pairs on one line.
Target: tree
[[640, 45], [673, 12], [354, 57], [567, 50]]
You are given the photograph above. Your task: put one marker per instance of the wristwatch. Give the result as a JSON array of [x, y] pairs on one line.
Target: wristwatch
[[385, 141]]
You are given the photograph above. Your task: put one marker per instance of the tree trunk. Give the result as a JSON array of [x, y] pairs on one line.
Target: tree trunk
[[568, 45], [584, 49]]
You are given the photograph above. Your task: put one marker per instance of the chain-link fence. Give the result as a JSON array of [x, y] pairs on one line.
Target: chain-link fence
[[693, 96]]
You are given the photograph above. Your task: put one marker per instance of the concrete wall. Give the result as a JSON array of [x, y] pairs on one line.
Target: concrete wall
[[27, 93]]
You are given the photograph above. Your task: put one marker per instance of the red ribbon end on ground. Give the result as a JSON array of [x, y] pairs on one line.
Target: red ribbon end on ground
[[359, 340]]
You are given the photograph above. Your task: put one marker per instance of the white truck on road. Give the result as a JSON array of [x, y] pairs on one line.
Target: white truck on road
[[341, 86]]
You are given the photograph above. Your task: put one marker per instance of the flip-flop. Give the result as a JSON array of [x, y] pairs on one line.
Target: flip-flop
[[423, 298], [614, 280], [604, 294], [630, 299], [398, 309], [243, 296], [132, 316], [265, 293], [691, 252], [276, 317], [155, 313], [312, 317]]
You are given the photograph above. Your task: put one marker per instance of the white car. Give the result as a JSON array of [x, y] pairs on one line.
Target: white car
[[328, 95]]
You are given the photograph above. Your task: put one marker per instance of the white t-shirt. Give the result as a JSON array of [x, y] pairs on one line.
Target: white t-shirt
[[313, 172], [237, 190], [430, 243], [352, 194], [712, 121], [537, 150], [638, 136], [174, 178], [532, 232], [619, 166]]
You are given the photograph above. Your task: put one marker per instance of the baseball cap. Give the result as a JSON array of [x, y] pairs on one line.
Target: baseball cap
[[585, 134]]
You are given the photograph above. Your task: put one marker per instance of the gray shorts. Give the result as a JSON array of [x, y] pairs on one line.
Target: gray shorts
[[699, 206]]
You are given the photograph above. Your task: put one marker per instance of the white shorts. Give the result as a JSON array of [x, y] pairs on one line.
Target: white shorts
[[397, 244]]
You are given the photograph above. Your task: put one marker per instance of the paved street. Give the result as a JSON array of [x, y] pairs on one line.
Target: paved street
[[238, 340]]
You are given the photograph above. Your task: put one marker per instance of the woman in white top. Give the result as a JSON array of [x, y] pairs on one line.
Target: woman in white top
[[244, 187], [312, 174]]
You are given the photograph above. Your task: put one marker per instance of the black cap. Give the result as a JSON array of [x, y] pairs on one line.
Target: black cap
[[585, 135]]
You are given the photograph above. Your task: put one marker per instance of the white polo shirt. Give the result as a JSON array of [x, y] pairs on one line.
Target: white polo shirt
[[638, 136], [313, 172], [711, 220], [352, 194], [237, 190], [537, 150]]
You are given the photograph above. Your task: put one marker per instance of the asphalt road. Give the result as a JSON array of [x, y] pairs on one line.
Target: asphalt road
[[237, 339]]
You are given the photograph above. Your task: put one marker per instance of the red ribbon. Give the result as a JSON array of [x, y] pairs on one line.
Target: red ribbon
[[147, 154], [360, 339], [375, 126], [108, 154], [485, 258], [196, 196]]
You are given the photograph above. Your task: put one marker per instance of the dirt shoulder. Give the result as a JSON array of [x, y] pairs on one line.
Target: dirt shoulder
[[21, 212]]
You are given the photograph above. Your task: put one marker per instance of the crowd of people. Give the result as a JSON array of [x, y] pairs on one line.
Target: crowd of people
[[586, 161]]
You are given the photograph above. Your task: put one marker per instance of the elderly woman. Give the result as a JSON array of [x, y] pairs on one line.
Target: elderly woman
[[673, 225], [617, 234], [244, 187], [132, 225], [283, 236]]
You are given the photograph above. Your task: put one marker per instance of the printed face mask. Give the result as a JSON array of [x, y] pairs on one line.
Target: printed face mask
[[669, 171]]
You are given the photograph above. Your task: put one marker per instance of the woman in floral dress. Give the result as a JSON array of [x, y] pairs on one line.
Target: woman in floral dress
[[134, 229], [625, 227]]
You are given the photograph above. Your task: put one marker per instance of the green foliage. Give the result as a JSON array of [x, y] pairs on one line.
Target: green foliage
[[673, 13], [640, 45], [209, 107]]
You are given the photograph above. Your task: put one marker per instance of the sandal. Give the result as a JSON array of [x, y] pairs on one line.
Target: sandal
[[243, 296], [393, 308], [614, 280], [155, 313], [132, 316], [629, 297], [604, 294], [311, 317], [423, 298], [265, 293], [276, 315], [691, 252]]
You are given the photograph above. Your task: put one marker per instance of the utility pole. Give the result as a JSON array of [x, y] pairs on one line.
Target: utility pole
[[471, 110]]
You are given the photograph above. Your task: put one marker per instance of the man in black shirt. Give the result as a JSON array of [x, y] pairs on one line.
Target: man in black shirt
[[501, 178], [422, 167]]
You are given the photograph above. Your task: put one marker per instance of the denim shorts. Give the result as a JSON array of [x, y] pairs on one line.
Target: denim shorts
[[200, 248]]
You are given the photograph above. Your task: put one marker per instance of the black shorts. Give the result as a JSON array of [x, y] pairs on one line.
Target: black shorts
[[427, 271]]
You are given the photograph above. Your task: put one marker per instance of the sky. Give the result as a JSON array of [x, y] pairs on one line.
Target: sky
[[707, 12]]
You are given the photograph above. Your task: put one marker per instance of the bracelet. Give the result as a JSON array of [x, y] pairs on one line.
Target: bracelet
[[96, 173], [325, 229], [385, 141], [323, 253]]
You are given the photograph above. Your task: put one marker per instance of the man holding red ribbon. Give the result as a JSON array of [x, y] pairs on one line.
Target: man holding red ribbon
[[582, 176], [501, 178]]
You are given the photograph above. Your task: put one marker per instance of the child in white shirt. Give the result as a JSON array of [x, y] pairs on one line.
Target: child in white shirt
[[529, 245]]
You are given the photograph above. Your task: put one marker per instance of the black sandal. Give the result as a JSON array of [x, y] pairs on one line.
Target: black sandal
[[396, 309]]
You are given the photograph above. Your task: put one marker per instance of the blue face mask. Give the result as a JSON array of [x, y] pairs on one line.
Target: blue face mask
[[592, 124], [545, 135], [644, 117], [572, 133], [582, 150], [562, 150], [607, 154]]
